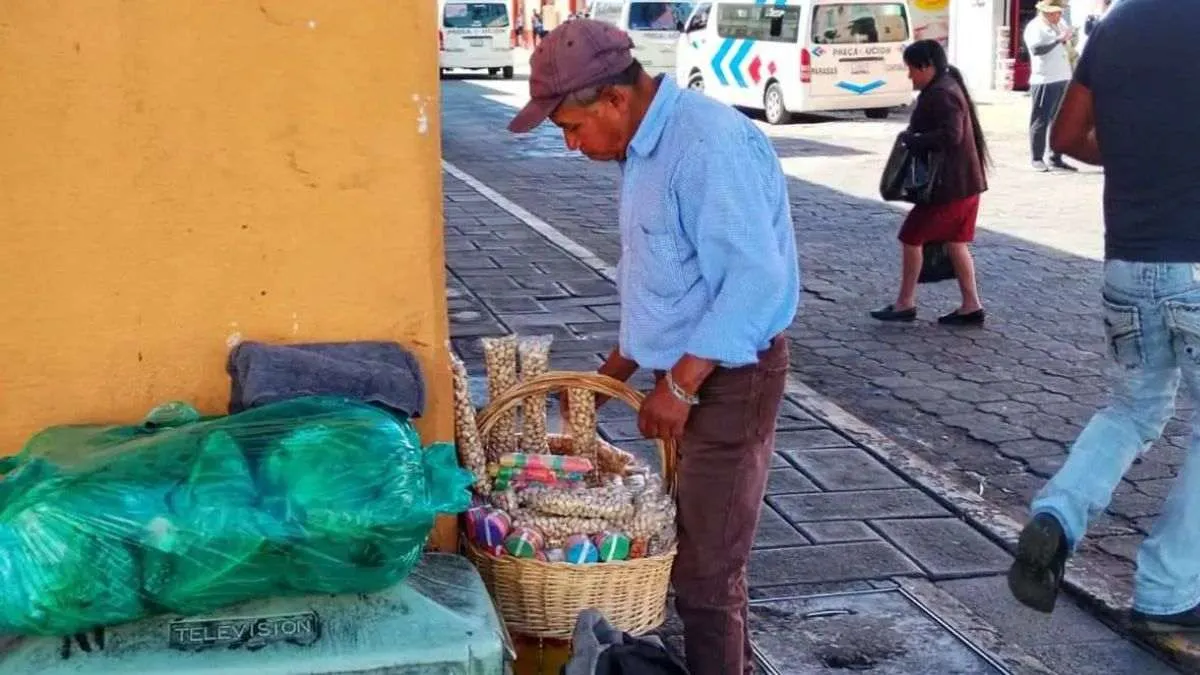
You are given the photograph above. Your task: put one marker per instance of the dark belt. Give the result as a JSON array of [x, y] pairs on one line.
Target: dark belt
[[658, 374]]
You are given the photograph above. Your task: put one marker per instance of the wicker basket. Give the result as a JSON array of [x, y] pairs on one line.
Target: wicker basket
[[543, 599]]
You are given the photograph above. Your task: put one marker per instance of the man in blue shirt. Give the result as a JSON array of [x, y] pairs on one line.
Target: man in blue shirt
[[1125, 111], [709, 280]]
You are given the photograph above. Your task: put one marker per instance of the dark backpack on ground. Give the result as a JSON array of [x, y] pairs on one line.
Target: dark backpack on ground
[[599, 649]]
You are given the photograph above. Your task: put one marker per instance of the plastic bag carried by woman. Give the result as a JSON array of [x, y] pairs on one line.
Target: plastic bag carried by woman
[[103, 525]]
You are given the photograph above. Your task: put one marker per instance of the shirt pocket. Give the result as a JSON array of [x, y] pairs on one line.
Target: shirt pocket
[[667, 267]]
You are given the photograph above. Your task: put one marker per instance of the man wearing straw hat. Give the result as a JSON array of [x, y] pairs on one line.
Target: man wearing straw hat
[[1048, 39], [709, 280]]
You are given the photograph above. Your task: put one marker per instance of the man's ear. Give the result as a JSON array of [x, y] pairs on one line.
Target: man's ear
[[617, 97]]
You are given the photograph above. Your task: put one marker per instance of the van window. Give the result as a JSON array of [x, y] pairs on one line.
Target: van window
[[758, 22], [475, 15], [699, 20], [658, 15], [860, 23], [608, 12]]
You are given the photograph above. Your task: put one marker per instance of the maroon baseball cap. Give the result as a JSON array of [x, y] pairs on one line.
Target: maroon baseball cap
[[578, 54]]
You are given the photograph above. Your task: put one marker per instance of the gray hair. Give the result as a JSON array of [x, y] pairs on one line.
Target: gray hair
[[584, 97]]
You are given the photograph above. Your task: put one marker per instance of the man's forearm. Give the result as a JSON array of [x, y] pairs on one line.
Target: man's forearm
[[1085, 149], [690, 372], [617, 367]]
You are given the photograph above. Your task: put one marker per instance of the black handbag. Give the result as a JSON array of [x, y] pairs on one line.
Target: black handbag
[[935, 264], [910, 176]]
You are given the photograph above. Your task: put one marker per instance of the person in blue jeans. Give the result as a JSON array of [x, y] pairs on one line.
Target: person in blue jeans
[[1124, 111]]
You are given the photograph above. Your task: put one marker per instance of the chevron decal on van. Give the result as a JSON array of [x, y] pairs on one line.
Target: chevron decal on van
[[861, 88], [723, 71]]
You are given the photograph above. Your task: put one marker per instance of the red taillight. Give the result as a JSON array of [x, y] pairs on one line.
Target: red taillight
[[805, 66], [441, 41]]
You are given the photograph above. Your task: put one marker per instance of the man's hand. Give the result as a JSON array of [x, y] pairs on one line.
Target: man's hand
[[663, 415], [615, 366]]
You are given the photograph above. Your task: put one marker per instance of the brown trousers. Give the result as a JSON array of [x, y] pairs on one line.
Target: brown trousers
[[724, 458]]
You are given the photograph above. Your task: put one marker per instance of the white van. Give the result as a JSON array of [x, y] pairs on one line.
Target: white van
[[787, 56], [654, 27], [475, 36]]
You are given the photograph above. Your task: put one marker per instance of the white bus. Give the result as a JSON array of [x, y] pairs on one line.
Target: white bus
[[786, 56], [654, 27], [475, 36]]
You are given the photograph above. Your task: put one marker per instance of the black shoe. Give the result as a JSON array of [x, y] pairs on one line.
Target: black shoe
[[1183, 622], [969, 319], [1037, 573], [890, 313], [1059, 165], [1040, 167]]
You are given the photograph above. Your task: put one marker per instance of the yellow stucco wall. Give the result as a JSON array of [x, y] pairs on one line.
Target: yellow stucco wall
[[181, 175]]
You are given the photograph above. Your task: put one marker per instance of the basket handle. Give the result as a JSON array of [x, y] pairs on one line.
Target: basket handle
[[559, 380]]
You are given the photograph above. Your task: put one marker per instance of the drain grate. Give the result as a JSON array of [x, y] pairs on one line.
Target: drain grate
[[887, 631]]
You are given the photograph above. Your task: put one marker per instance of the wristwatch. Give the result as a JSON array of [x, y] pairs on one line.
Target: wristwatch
[[678, 391]]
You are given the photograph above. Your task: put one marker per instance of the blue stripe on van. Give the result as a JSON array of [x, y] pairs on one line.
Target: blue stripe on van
[[735, 66], [726, 45]]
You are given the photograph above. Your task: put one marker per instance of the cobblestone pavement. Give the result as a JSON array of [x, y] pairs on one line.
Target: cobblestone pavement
[[836, 520], [996, 407]]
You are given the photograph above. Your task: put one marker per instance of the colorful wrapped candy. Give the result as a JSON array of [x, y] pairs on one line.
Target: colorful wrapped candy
[[556, 463], [581, 551], [638, 547], [474, 517], [612, 546], [493, 528], [524, 542]]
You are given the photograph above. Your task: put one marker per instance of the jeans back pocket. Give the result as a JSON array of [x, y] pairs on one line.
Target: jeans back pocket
[[1123, 329]]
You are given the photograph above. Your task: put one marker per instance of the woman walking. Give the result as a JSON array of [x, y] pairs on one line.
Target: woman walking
[[944, 120]]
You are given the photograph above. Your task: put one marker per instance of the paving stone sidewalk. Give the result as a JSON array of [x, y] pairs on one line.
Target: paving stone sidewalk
[[995, 408], [836, 519]]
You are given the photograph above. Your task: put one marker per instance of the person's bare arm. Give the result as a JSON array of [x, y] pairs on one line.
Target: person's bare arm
[[1074, 130]]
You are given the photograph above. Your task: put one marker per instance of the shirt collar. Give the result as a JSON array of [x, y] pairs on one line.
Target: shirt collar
[[650, 131]]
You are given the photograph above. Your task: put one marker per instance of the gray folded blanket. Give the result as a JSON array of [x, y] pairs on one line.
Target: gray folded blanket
[[383, 373]]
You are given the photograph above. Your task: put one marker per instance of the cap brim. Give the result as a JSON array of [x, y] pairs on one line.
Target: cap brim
[[534, 113]]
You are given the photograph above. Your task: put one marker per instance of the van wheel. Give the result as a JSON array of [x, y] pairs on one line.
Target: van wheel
[[776, 111], [508, 72], [878, 113], [441, 73], [492, 72], [696, 82]]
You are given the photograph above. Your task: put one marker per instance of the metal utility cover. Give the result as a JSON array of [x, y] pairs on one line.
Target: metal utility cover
[[886, 632]]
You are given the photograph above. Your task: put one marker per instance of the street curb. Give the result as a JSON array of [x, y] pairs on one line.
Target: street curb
[[1084, 580]]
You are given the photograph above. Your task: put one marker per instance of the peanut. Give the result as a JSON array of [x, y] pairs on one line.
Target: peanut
[[500, 357], [466, 433], [608, 503], [535, 361]]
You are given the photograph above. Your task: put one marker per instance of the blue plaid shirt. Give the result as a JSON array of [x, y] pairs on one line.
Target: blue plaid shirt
[[708, 254]]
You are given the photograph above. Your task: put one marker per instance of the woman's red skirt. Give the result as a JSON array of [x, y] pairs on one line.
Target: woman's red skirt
[[934, 223]]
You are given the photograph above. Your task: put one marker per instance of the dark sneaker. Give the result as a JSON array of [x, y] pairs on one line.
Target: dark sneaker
[[1041, 167], [890, 313], [1037, 573], [1059, 165], [1183, 622], [959, 319]]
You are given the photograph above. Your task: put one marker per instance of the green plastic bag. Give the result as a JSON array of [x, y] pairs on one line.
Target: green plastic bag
[[104, 525]]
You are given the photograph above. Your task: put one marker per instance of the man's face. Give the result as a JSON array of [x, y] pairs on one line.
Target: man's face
[[1053, 17], [602, 130]]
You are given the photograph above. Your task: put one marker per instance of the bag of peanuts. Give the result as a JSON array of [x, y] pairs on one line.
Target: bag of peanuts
[[554, 496]]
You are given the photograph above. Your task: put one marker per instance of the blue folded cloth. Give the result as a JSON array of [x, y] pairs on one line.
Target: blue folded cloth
[[382, 373]]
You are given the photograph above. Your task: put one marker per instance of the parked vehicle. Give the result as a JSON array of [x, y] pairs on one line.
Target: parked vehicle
[[793, 56], [475, 36], [654, 27]]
